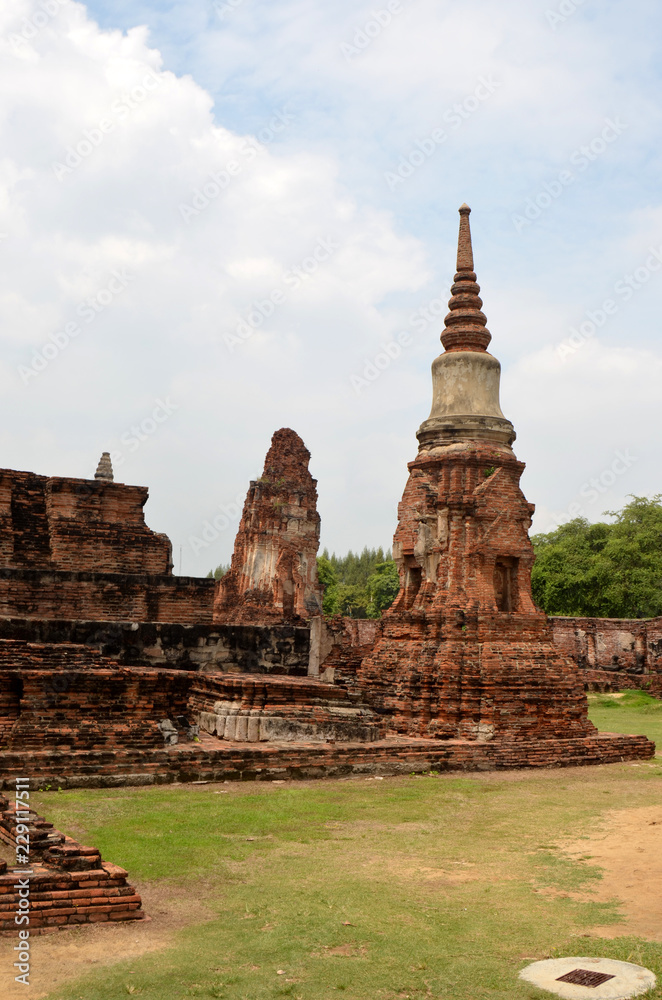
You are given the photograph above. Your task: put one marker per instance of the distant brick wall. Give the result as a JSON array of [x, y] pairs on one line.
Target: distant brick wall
[[279, 649], [622, 646], [614, 680]]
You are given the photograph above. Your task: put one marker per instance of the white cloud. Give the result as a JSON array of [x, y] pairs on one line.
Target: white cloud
[[310, 134], [100, 244]]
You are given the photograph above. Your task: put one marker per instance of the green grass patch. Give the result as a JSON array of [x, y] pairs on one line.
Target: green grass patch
[[428, 886], [633, 712]]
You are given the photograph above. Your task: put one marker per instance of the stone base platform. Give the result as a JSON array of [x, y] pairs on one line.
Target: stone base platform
[[213, 760]]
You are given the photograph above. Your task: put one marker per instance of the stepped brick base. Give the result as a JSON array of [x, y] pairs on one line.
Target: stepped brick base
[[69, 883], [60, 898], [214, 760]]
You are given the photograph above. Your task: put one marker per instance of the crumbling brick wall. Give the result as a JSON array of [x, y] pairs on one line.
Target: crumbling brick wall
[[77, 524], [71, 697], [43, 593], [627, 651], [276, 649]]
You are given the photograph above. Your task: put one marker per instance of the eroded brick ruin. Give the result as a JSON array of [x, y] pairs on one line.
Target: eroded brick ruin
[[69, 883], [113, 671], [273, 575], [80, 549]]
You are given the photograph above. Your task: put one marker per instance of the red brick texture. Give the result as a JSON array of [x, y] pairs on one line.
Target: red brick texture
[[80, 700], [40, 593], [631, 649], [77, 524], [214, 760], [273, 575], [69, 883], [464, 652], [78, 548]]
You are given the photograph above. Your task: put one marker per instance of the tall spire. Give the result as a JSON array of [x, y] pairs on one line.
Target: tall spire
[[465, 326]]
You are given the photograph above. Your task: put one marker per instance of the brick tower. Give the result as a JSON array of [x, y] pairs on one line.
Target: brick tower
[[465, 653], [273, 575]]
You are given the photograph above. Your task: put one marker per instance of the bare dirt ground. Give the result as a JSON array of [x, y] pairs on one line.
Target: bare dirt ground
[[628, 849], [67, 954]]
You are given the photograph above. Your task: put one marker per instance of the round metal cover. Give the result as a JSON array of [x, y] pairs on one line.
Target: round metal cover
[[605, 978]]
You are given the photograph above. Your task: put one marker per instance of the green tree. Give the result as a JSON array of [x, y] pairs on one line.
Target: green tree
[[382, 587], [329, 580], [356, 585], [216, 574], [566, 575], [633, 553], [603, 570]]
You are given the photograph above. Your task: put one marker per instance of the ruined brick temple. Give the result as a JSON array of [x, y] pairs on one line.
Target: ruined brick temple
[[273, 576], [115, 671], [464, 651]]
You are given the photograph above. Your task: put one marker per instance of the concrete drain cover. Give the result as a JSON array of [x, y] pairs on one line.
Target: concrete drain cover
[[598, 978]]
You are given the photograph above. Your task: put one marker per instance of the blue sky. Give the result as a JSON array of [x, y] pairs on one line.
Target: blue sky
[[334, 142]]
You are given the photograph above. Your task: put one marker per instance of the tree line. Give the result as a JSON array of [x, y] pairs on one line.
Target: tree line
[[603, 570], [359, 585]]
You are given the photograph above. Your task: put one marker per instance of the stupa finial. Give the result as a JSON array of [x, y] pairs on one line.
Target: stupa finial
[[465, 256], [104, 468], [465, 326]]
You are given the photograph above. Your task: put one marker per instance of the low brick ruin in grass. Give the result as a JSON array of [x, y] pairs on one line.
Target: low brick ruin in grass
[[68, 883]]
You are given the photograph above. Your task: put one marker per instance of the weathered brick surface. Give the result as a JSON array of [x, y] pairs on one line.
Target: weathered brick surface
[[214, 760], [79, 548], [77, 524], [614, 680], [51, 593], [273, 575], [338, 645], [623, 645], [277, 649], [449, 661], [69, 883], [89, 707]]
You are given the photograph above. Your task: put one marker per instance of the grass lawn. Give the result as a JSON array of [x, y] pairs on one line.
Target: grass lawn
[[372, 889], [628, 712]]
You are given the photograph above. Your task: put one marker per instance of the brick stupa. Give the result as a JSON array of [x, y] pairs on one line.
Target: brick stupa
[[273, 574], [465, 653]]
